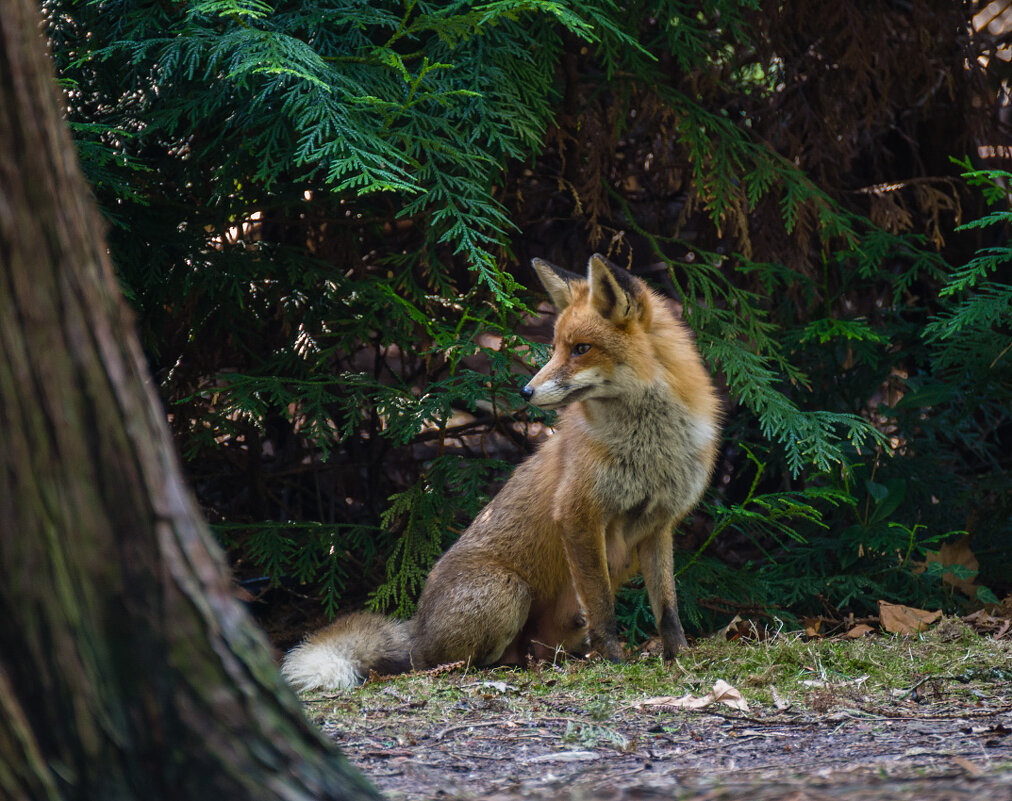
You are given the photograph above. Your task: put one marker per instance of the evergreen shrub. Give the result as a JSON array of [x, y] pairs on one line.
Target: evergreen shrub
[[323, 215]]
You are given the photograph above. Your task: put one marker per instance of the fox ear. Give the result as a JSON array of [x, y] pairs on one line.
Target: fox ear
[[557, 281], [614, 292]]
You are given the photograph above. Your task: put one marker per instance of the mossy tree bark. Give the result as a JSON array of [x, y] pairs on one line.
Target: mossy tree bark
[[126, 668]]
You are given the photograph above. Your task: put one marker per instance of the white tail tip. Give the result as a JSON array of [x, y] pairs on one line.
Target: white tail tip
[[320, 666]]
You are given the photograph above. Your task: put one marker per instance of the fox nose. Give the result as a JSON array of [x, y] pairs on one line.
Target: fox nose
[[526, 393]]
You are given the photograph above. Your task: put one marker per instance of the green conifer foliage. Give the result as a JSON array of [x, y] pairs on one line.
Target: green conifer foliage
[[323, 214]]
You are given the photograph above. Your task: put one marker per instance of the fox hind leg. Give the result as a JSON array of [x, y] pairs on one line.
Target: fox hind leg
[[471, 616]]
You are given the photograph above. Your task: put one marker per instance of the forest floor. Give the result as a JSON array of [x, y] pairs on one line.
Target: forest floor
[[782, 716]]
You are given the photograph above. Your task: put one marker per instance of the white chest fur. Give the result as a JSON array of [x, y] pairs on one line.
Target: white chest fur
[[657, 453]]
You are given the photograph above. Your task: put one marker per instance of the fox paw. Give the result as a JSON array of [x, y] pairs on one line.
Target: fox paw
[[607, 648]]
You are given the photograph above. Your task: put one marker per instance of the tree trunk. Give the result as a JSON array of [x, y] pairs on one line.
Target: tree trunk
[[126, 668]]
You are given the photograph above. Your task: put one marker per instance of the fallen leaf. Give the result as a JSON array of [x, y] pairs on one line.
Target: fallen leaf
[[745, 631], [687, 701], [860, 630], [722, 693], [985, 623], [970, 768], [565, 756], [779, 701], [730, 631], [497, 686], [812, 626], [840, 683], [899, 619], [957, 553]]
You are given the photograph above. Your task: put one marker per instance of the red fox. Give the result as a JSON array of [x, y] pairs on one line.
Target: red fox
[[539, 567]]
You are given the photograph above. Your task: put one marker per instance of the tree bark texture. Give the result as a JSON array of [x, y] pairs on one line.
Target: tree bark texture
[[127, 670]]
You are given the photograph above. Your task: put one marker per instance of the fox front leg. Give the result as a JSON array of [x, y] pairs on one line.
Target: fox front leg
[[656, 563], [585, 550]]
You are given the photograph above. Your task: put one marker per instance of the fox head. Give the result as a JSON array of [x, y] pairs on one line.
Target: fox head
[[601, 334]]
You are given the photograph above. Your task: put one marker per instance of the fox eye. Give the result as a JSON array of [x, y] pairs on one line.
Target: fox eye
[[580, 348]]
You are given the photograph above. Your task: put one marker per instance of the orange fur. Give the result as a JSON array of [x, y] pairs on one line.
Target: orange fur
[[539, 567]]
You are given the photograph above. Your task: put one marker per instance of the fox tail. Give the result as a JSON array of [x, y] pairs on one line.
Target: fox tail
[[343, 654]]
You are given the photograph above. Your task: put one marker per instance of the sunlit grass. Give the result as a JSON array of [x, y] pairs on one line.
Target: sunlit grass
[[951, 662]]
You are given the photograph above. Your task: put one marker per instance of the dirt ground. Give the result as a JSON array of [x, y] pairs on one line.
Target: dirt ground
[[478, 742]]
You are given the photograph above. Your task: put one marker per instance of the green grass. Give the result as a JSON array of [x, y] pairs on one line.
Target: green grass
[[813, 674]]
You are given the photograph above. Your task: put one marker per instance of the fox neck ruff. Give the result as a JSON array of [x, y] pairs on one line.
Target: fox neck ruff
[[661, 455]]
